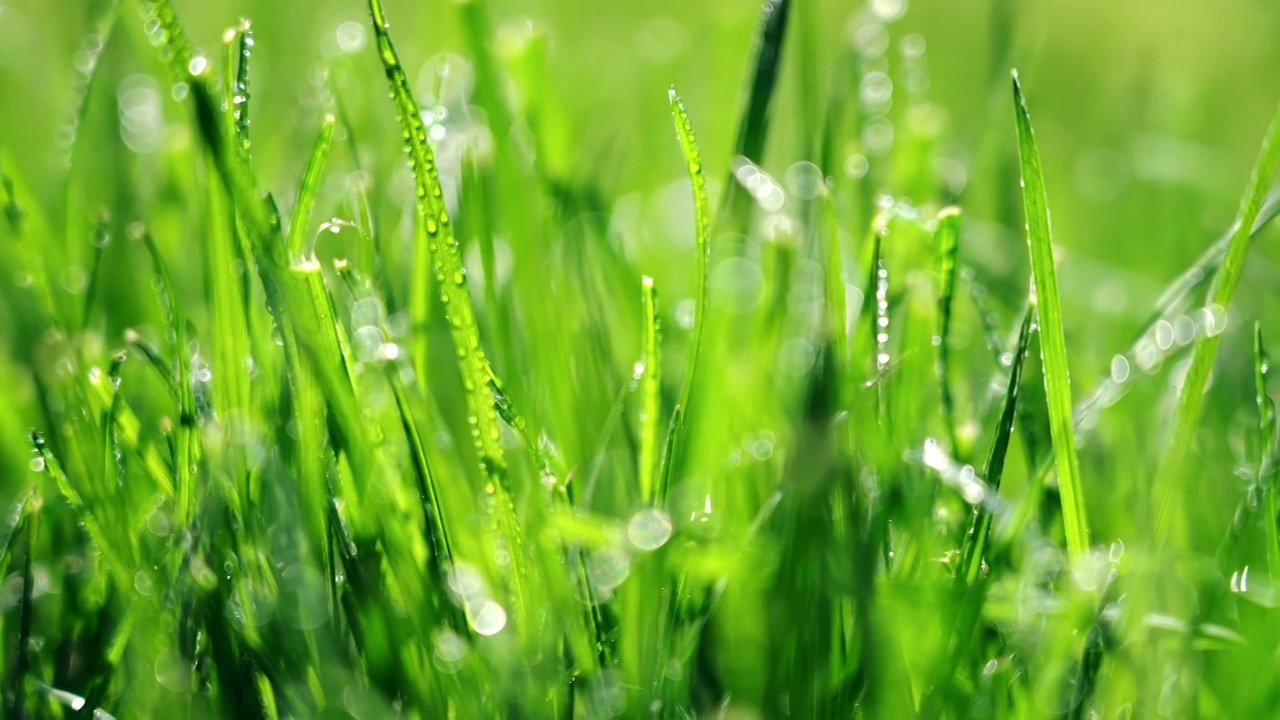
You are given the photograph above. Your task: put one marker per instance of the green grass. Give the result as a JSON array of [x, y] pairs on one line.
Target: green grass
[[347, 380]]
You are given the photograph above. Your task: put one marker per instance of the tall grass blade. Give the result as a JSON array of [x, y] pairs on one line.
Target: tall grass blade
[[1191, 397], [451, 281], [702, 232], [1053, 349]]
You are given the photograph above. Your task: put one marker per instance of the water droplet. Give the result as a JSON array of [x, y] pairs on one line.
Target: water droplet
[[1119, 369], [856, 166], [489, 619], [805, 180], [608, 568], [350, 37], [173, 671], [198, 65], [1164, 334], [876, 90], [887, 10], [649, 529], [36, 464]]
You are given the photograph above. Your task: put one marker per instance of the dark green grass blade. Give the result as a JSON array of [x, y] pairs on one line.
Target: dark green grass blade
[[753, 127], [946, 247], [1191, 399], [702, 228], [1267, 426], [1057, 378]]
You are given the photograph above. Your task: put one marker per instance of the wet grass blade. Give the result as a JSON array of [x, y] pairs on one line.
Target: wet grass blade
[[1057, 378], [451, 281], [946, 246], [1191, 398], [753, 126], [702, 230], [1266, 471]]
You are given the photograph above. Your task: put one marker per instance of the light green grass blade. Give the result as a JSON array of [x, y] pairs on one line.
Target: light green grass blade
[[702, 232], [1191, 398], [298, 223], [1053, 349], [649, 378]]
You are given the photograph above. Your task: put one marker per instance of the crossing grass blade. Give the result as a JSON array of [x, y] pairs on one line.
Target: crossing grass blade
[[1191, 397], [1053, 349]]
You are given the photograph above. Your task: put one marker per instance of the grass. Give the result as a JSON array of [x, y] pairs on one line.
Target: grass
[[296, 428]]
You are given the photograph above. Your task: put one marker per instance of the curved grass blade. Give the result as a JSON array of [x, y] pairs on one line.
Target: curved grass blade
[[946, 246], [297, 238], [1191, 399], [451, 280], [702, 229], [753, 127], [1266, 471], [1053, 344]]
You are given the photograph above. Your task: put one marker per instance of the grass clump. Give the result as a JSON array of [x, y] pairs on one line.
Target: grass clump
[[426, 440]]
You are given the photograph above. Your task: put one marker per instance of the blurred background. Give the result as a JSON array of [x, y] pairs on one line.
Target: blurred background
[[1149, 112]]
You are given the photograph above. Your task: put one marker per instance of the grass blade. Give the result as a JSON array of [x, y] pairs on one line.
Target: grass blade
[[1266, 471], [753, 127], [946, 247], [1053, 344], [650, 379], [451, 281], [297, 247], [993, 471], [1191, 399], [702, 229]]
